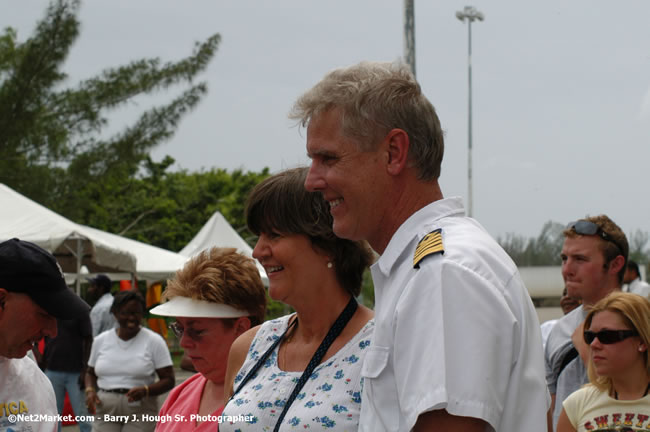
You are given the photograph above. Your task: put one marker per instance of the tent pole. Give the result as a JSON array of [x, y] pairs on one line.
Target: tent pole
[[79, 257]]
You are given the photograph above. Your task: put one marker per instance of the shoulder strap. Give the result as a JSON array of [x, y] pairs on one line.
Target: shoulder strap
[[570, 355], [262, 359], [329, 339]]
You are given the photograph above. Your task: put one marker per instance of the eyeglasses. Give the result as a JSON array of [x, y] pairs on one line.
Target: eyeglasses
[[609, 336], [179, 331], [585, 227]]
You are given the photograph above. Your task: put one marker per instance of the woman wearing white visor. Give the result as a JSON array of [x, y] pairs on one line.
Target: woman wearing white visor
[[215, 297]]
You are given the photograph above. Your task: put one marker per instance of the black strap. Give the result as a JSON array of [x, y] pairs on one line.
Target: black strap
[[329, 339], [570, 355], [644, 394], [262, 359]]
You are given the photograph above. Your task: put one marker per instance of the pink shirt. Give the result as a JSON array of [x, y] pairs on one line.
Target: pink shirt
[[182, 402]]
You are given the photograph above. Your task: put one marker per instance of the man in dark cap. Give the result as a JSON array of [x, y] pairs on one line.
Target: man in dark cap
[[33, 294], [101, 317]]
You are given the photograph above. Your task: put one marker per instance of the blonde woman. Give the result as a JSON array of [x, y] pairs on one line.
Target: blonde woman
[[617, 332]]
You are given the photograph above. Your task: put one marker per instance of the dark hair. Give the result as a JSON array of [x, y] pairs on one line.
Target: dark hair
[[281, 204], [633, 266], [102, 282], [123, 297]]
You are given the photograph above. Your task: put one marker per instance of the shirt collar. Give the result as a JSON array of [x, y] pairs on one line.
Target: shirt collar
[[418, 225]]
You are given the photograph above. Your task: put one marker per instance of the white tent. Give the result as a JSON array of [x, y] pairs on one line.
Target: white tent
[[153, 263], [218, 232], [72, 244], [76, 246]]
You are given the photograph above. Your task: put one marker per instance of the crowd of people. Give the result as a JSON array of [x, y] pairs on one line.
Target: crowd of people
[[453, 342]]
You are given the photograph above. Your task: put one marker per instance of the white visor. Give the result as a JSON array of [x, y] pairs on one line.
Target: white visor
[[187, 307]]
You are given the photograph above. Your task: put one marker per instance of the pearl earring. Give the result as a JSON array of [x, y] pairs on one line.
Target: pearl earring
[[329, 265]]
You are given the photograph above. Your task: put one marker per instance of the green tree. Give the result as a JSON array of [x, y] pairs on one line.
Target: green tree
[[52, 136], [543, 250], [163, 208]]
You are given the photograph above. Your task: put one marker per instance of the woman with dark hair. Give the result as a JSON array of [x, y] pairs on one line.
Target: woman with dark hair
[[121, 384], [301, 370], [616, 340]]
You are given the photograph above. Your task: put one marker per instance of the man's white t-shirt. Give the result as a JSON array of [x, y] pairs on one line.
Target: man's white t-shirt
[[24, 390]]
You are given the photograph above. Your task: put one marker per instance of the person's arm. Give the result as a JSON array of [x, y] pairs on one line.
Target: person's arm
[[86, 344], [91, 390], [165, 383], [236, 358], [549, 414], [442, 421], [563, 423]]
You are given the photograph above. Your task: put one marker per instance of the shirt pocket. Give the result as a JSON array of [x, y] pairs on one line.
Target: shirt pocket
[[375, 361], [380, 392]]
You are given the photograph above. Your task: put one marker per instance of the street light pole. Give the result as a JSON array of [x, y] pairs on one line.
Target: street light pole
[[471, 14], [409, 34]]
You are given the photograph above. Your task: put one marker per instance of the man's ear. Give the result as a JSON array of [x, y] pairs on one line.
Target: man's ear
[[397, 141], [617, 264]]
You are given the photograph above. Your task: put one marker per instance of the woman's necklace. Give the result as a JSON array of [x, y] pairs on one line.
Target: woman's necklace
[[644, 394]]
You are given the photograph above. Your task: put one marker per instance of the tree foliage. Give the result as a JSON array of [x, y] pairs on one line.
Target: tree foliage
[[166, 209], [53, 136], [543, 250]]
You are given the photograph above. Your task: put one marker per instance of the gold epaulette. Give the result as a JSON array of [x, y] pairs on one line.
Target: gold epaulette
[[431, 244]]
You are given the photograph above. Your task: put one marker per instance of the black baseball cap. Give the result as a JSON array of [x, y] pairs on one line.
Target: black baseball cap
[[29, 269], [102, 281]]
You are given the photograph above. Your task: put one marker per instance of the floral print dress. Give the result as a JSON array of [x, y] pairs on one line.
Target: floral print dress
[[330, 399]]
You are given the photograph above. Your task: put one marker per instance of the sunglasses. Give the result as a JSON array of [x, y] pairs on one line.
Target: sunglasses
[[609, 336], [585, 227], [179, 331]]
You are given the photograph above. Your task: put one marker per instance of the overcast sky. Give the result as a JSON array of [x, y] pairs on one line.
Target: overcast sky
[[561, 89]]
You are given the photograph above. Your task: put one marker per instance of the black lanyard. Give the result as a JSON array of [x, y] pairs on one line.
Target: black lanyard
[[329, 339]]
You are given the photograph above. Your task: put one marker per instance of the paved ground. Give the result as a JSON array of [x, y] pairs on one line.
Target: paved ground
[[181, 376]]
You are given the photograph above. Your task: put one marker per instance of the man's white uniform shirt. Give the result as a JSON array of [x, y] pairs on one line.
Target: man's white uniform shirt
[[458, 333]]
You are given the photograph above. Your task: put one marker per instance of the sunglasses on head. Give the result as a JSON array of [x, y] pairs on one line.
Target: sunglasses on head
[[585, 227], [609, 336], [179, 331]]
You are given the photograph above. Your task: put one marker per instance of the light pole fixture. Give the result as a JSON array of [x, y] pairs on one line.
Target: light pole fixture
[[470, 14]]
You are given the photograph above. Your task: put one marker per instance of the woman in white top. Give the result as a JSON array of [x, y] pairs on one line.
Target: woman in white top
[[618, 335], [121, 386], [291, 375]]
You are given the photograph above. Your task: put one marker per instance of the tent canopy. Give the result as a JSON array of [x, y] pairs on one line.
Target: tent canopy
[[75, 245], [72, 244], [100, 251], [217, 232], [153, 263]]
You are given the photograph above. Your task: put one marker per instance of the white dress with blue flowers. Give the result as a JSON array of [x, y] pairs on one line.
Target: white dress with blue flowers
[[330, 399]]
